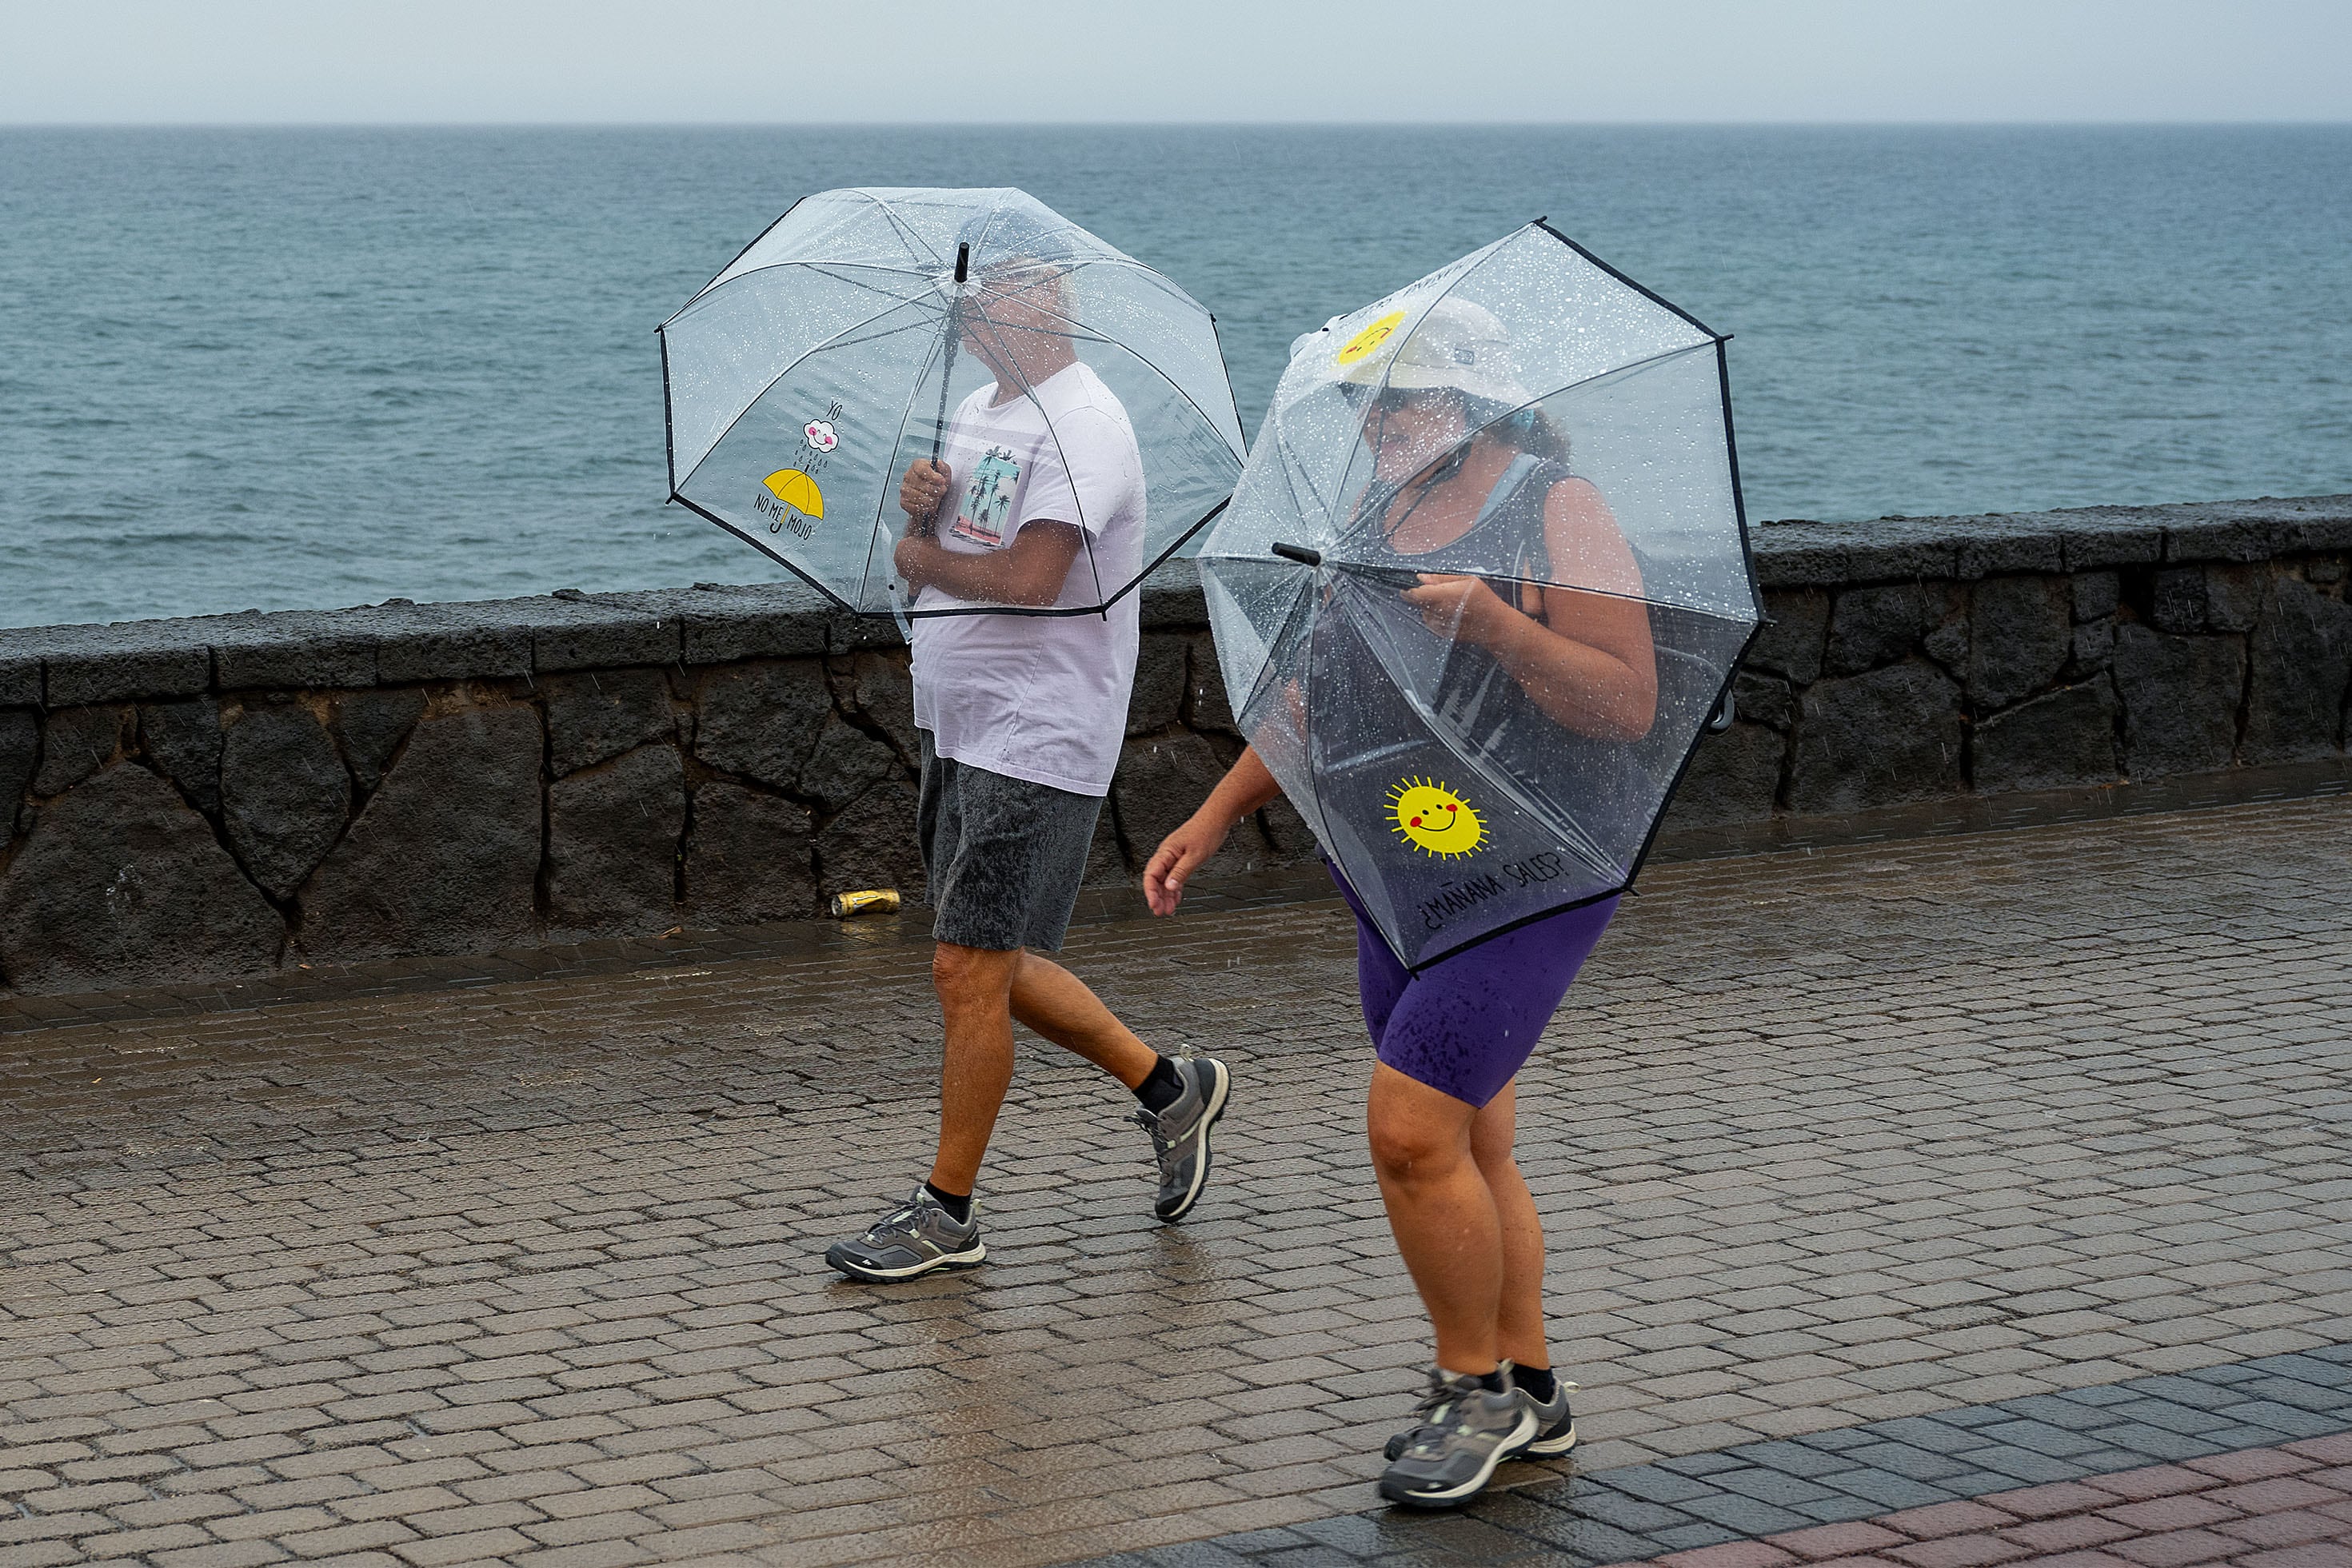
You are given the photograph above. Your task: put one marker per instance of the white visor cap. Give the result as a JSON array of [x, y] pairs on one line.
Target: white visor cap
[[1457, 345]]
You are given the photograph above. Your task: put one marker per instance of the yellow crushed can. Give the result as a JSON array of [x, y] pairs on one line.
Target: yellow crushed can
[[870, 901]]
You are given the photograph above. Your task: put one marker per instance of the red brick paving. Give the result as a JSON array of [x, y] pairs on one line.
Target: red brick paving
[[2288, 1507]]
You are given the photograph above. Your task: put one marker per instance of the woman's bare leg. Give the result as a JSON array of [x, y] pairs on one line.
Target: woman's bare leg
[[1520, 1323], [1444, 1214]]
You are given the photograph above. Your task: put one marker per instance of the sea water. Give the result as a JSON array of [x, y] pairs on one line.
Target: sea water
[[283, 368]]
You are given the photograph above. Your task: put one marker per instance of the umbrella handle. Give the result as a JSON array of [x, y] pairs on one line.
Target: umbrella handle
[[1391, 577], [955, 332]]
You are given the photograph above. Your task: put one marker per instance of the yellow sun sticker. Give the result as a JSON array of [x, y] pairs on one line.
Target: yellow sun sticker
[[1371, 338], [1433, 818]]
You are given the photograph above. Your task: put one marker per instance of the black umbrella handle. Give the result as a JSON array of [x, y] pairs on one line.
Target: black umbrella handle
[[1387, 576], [955, 334]]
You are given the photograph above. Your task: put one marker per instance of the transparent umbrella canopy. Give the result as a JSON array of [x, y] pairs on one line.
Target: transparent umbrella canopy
[[843, 344], [1483, 584]]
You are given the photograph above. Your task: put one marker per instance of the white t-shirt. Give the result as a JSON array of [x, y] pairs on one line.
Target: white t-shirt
[[1040, 697]]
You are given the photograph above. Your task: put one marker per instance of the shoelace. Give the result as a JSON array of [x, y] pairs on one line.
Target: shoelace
[[1150, 1122], [1437, 1405], [898, 1222]]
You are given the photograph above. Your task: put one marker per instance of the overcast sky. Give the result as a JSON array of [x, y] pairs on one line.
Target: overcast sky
[[898, 60]]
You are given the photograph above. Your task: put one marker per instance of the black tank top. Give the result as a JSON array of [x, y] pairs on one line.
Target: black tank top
[[1370, 738]]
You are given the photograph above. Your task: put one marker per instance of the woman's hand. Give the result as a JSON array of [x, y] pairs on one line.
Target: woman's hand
[[1178, 856], [1246, 786], [1464, 608]]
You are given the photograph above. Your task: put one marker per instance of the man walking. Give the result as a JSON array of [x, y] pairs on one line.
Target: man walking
[[1037, 495]]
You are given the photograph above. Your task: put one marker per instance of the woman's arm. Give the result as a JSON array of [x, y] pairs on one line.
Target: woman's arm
[[1583, 658], [1246, 786]]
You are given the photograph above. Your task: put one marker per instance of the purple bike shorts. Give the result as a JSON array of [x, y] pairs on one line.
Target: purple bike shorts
[[1465, 1025]]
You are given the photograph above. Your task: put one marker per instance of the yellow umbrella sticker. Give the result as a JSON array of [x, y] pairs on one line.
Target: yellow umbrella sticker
[[1433, 818], [1364, 342], [796, 490]]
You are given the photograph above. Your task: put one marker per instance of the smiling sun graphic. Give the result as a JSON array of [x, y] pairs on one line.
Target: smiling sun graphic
[[1435, 818]]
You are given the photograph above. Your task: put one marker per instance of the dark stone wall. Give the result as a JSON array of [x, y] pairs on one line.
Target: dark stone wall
[[213, 798]]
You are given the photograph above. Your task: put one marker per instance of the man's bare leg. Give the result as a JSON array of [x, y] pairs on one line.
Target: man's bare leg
[[1056, 1004], [975, 990], [981, 993]]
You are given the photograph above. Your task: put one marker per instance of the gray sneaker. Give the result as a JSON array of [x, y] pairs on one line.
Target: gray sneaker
[[1180, 1134], [1467, 1430], [913, 1238], [1555, 1423]]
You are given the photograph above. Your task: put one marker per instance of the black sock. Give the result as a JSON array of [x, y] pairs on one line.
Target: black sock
[[1538, 1381], [957, 1204], [1162, 1089], [1493, 1382]]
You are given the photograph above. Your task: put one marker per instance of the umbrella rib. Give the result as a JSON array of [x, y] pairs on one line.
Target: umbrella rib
[[1389, 368], [1575, 838], [1104, 335], [1646, 599], [882, 502], [798, 360], [1085, 540], [906, 230], [709, 290], [1479, 262], [738, 255], [1364, 519], [1266, 670], [821, 269]]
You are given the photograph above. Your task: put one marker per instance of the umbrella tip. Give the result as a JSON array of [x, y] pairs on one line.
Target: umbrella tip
[[963, 262], [1298, 553]]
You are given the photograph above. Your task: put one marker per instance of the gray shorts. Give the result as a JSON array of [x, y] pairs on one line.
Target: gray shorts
[[1005, 856]]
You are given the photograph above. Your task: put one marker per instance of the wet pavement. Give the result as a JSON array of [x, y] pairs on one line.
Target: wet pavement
[[528, 1269]]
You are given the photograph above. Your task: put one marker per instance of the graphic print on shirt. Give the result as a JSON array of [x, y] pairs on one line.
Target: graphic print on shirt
[[988, 499]]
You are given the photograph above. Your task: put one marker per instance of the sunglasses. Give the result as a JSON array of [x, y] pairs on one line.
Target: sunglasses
[[1397, 400]]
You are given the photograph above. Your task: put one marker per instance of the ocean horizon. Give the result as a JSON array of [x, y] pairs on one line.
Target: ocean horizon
[[297, 366]]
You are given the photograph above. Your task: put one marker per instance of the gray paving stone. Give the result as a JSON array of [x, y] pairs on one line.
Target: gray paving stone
[[2022, 1141], [1747, 1515], [2041, 1438], [1902, 1460], [1655, 1483], [1772, 1486], [1626, 1512], [1886, 1491], [2286, 1419], [1793, 1458]]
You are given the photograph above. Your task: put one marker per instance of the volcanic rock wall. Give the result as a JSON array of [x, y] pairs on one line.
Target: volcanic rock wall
[[208, 799]]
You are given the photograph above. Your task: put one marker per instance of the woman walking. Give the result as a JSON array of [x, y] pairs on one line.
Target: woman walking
[[1464, 470]]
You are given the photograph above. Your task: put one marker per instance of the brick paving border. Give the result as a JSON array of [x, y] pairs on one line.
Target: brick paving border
[[1718, 1510]]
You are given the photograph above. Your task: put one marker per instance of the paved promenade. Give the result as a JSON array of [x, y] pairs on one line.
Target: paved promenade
[[2008, 1174]]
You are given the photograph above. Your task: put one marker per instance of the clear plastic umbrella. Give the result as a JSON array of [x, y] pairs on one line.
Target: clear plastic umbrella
[[1483, 583], [842, 345]]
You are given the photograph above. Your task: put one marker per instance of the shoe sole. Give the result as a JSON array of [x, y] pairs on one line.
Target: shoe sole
[[1208, 1125], [1546, 1447], [1453, 1496], [1538, 1447], [856, 1270], [1543, 1448]]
